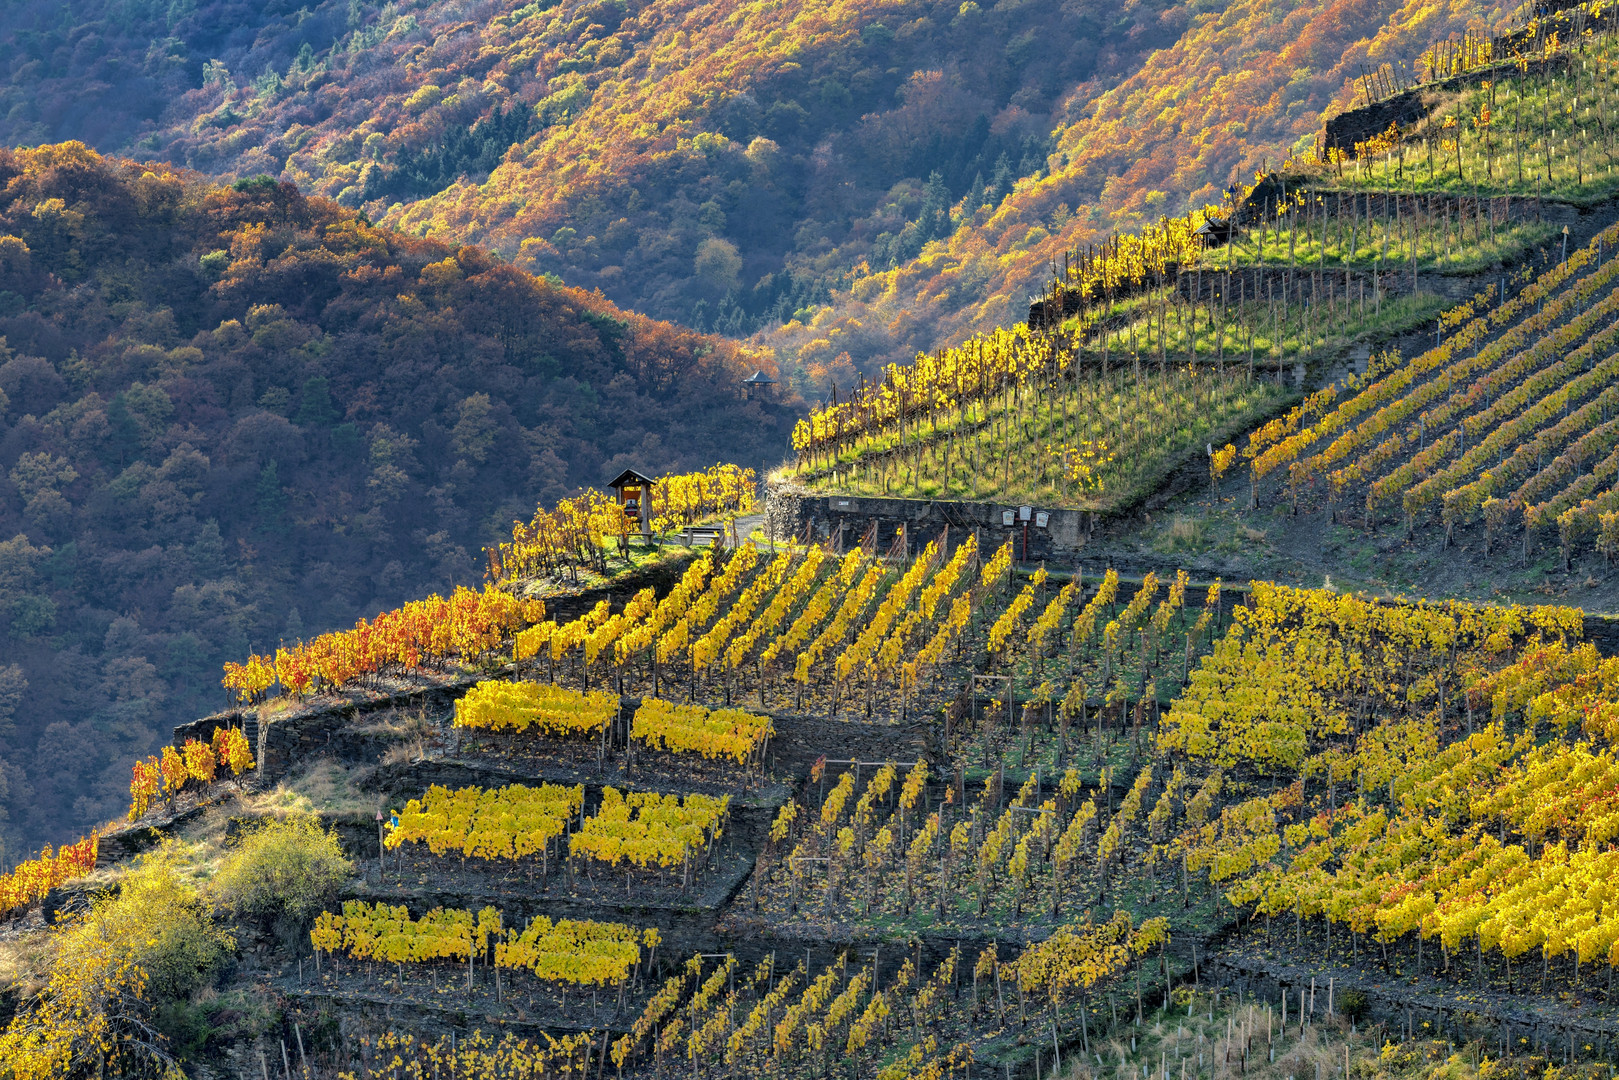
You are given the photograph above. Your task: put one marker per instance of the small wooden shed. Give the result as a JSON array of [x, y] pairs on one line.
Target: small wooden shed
[[634, 490], [1214, 232]]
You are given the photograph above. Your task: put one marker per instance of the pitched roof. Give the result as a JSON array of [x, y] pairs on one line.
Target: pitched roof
[[630, 476]]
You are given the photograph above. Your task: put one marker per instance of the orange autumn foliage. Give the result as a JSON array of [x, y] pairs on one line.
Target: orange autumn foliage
[[422, 633], [31, 880]]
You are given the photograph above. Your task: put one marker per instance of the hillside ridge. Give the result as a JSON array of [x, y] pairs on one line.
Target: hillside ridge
[[231, 416]]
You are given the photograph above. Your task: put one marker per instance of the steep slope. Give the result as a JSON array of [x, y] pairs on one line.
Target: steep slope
[[735, 166], [232, 415], [1244, 84], [716, 163], [1291, 753]]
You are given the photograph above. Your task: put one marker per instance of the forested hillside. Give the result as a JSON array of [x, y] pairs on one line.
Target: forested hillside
[[719, 164], [234, 415], [1244, 83], [886, 174]]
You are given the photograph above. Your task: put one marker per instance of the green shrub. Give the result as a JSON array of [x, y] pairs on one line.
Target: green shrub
[[1352, 1003], [167, 924], [256, 185], [210, 1020], [284, 872]]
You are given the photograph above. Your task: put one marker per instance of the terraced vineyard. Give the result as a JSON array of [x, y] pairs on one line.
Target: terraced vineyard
[[1025, 416], [1309, 722], [1530, 111], [1111, 777], [1504, 426], [810, 632], [783, 832], [911, 809]]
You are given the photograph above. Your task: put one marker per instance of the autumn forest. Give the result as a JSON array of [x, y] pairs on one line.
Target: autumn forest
[[236, 415], [869, 177]]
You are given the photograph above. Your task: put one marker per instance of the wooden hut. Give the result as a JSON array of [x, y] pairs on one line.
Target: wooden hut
[[634, 491]]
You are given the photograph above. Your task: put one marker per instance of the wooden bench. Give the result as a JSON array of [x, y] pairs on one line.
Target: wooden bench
[[709, 534]]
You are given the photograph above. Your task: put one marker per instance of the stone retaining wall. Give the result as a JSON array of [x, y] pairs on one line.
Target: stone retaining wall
[[1358, 125], [1454, 1013], [1062, 536]]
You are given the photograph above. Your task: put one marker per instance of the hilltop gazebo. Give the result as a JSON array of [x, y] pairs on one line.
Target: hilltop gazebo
[[634, 490], [757, 383]]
